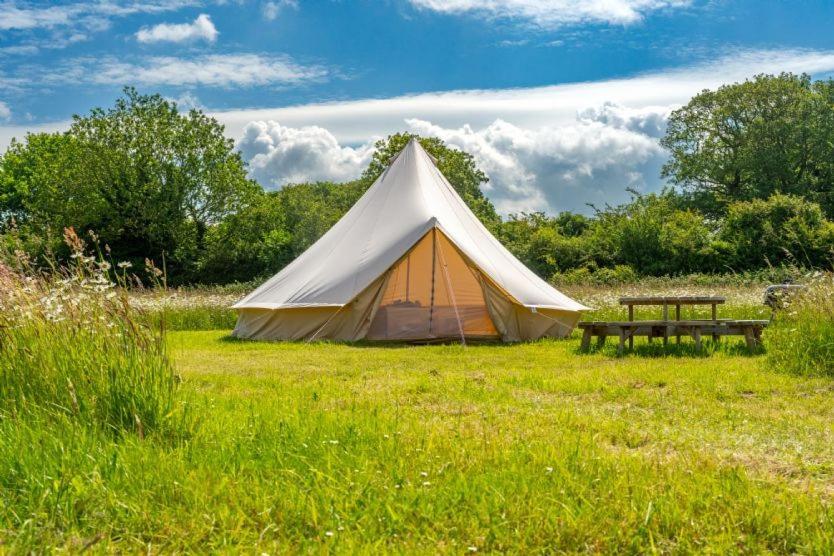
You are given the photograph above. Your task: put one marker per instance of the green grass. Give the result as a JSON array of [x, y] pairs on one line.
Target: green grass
[[435, 449]]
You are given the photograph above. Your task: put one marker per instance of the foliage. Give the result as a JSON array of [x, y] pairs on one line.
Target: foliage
[[801, 340], [780, 230], [750, 140], [148, 180], [262, 238]]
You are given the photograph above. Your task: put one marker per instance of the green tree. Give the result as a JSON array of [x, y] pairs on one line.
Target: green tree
[[770, 134], [458, 166], [262, 238], [147, 179]]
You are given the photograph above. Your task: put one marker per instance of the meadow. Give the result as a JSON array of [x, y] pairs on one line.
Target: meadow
[[354, 448]]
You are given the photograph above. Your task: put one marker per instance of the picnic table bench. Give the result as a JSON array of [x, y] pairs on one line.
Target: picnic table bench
[[665, 328]]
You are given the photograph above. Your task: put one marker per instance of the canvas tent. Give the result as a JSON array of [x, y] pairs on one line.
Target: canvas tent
[[409, 261]]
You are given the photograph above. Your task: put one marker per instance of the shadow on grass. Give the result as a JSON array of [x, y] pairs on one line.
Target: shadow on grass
[[684, 349], [389, 344]]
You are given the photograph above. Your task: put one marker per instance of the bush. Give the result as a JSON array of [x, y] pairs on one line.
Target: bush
[[780, 230], [620, 274], [71, 343], [801, 340]]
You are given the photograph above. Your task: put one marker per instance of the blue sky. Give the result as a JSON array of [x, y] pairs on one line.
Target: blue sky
[[561, 101]]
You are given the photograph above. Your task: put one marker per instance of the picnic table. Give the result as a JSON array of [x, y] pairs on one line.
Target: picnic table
[[665, 327]]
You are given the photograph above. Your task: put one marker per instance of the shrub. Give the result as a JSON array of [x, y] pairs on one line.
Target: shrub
[[71, 343], [780, 230], [620, 274], [801, 340]]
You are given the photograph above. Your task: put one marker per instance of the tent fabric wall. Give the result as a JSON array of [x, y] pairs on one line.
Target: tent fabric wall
[[517, 323], [347, 323]]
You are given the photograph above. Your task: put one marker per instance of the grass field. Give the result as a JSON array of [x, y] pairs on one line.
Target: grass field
[[443, 449]]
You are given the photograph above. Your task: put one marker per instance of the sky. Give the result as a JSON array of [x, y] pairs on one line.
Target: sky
[[561, 102]]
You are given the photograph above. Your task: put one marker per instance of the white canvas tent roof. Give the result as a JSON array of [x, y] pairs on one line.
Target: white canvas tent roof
[[406, 202]]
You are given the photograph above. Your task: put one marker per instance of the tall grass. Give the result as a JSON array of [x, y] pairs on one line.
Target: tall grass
[[71, 343], [801, 340]]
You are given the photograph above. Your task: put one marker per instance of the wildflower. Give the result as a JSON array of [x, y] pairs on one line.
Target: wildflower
[[426, 484], [549, 469], [423, 474], [103, 265], [472, 548], [328, 533], [125, 265]]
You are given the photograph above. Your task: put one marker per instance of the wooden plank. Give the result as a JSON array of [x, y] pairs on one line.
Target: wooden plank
[[696, 333], [673, 300]]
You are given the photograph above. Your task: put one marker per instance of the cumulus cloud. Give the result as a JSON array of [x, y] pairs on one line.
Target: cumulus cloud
[[549, 168], [279, 155], [5, 111], [553, 13], [271, 10], [216, 70], [201, 28], [558, 168]]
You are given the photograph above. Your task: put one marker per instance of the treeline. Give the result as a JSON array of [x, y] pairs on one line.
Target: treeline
[[750, 186]]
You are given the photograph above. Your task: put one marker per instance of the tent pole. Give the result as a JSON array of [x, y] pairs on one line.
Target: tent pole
[[452, 295], [433, 262]]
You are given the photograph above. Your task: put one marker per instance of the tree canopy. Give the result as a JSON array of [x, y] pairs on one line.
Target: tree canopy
[[146, 178], [768, 135]]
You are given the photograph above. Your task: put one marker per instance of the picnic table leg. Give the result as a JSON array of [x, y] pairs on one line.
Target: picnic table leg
[[601, 340], [696, 333], [630, 319], [666, 335], [714, 318], [677, 317], [586, 339], [749, 338], [621, 347]]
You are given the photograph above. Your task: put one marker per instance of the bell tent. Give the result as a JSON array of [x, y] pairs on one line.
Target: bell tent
[[409, 261]]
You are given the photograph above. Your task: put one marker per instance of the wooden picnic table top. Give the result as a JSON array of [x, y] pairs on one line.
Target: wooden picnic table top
[[673, 300], [697, 322]]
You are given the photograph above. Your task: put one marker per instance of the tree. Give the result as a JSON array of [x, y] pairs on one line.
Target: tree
[[771, 134], [458, 166], [147, 179], [262, 238]]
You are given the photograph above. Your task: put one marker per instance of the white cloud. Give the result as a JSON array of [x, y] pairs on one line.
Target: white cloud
[[216, 70], [200, 29], [271, 10], [89, 15], [279, 155], [553, 13], [5, 111], [557, 168], [352, 122]]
